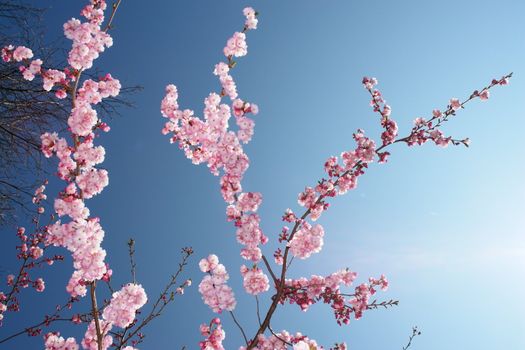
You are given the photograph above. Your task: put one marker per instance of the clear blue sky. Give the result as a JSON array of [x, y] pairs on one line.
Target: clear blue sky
[[445, 225]]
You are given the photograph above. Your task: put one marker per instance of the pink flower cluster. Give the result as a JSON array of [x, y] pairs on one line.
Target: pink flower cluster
[[22, 54], [236, 45], [90, 338], [89, 40], [3, 306], [82, 234], [307, 240], [425, 130], [30, 252], [251, 18], [341, 178], [214, 335], [278, 341], [53, 341], [306, 292], [83, 238], [379, 105], [210, 141], [124, 304], [361, 297], [213, 288], [255, 281]]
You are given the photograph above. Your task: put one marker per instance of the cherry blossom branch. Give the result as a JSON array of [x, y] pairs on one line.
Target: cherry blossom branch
[[211, 141], [278, 337], [280, 287], [46, 321], [162, 301], [31, 252]]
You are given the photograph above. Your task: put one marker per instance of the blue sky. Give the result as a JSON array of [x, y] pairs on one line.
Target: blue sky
[[445, 225]]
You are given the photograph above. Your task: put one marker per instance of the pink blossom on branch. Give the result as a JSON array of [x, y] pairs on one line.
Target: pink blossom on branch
[[211, 141], [81, 234], [213, 288]]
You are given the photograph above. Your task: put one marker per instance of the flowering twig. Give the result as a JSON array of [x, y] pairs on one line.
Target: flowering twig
[[162, 301], [48, 319]]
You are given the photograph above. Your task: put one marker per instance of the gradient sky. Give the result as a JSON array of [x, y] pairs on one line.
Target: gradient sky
[[445, 225]]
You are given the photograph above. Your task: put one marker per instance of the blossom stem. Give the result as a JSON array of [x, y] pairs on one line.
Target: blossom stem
[[280, 287], [94, 312]]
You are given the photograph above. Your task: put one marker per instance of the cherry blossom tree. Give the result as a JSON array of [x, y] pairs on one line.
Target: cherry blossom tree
[[76, 230], [211, 141], [27, 110], [119, 322]]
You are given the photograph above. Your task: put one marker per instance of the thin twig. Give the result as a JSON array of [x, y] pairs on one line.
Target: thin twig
[[258, 310], [131, 247], [415, 332], [240, 327], [162, 301]]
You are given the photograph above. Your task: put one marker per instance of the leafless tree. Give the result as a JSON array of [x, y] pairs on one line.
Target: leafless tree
[[26, 110]]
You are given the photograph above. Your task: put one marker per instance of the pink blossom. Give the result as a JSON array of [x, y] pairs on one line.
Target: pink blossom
[[10, 279], [236, 45], [51, 77], [56, 342], [90, 338], [307, 240], [209, 263], [369, 83], [213, 288], [82, 120], [251, 18], [40, 285], [484, 95], [214, 335], [22, 53], [418, 122], [72, 207], [124, 304], [92, 182], [249, 201], [302, 345], [76, 286], [255, 281], [228, 84], [33, 69], [221, 69], [455, 104], [437, 136]]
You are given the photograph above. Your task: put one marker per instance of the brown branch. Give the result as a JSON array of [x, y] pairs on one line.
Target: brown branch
[[47, 321], [280, 288], [240, 327], [415, 332], [94, 312]]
